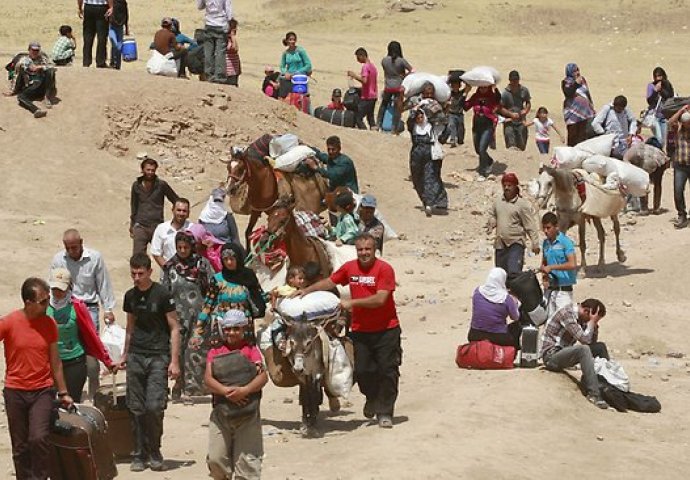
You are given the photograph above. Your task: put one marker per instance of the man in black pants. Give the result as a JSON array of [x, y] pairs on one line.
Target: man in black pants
[[95, 14], [151, 355], [375, 327], [36, 79]]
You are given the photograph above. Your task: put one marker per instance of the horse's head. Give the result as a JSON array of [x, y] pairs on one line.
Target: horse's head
[[237, 169], [544, 187], [303, 347], [279, 215]]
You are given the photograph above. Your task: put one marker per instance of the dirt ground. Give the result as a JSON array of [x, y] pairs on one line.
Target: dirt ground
[[75, 168]]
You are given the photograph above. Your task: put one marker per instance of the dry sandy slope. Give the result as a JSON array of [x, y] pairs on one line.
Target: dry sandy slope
[[451, 423]]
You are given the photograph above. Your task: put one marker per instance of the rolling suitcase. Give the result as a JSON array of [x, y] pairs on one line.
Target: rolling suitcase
[[80, 450], [110, 399]]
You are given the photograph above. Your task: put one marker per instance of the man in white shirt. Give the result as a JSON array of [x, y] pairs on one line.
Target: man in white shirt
[[217, 23], [616, 118], [90, 284], [163, 243]]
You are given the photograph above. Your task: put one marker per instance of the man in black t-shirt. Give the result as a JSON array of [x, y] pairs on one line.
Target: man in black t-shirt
[[152, 347]]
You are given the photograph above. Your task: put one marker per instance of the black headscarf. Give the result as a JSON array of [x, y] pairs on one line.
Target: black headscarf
[[244, 276]]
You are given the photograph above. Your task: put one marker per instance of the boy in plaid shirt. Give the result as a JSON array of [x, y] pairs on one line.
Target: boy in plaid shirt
[[64, 47]]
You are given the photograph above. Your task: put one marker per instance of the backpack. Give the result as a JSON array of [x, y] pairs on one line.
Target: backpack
[[351, 98], [624, 401]]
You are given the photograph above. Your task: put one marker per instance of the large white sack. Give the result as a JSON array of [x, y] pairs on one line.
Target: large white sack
[[161, 65], [600, 145], [634, 179], [282, 144], [414, 82], [311, 307], [598, 164], [482, 76], [289, 161], [568, 157], [339, 378], [600, 202]]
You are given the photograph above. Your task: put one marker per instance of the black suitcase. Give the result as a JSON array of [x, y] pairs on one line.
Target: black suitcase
[[110, 399], [351, 98], [80, 449], [529, 342]]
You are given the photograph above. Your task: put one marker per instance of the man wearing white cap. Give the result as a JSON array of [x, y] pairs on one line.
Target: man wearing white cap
[[679, 124], [235, 443]]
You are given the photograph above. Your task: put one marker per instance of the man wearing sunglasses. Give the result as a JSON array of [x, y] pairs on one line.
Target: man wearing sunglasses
[[34, 371]]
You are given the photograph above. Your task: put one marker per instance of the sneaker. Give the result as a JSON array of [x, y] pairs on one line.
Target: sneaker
[[385, 421], [481, 178], [369, 409], [137, 465], [681, 222], [428, 210], [40, 113], [156, 461], [333, 404], [597, 402], [49, 103]]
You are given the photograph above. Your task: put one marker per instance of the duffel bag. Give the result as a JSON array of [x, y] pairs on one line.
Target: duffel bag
[[484, 355], [342, 118]]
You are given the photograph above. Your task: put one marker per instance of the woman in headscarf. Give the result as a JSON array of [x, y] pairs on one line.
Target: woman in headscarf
[[426, 172], [484, 103], [187, 275], [217, 220], [658, 90], [491, 307], [77, 336], [207, 245], [578, 109], [395, 69]]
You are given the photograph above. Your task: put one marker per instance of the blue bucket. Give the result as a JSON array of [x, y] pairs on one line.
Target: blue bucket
[[129, 50], [300, 84]]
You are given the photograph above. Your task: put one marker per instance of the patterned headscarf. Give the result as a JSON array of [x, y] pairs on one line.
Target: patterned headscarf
[[570, 70]]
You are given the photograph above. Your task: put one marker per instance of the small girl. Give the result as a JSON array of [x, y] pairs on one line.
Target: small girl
[[347, 228], [542, 123], [235, 375], [232, 55]]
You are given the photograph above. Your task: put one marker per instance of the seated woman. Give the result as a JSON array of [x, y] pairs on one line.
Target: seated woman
[[491, 306]]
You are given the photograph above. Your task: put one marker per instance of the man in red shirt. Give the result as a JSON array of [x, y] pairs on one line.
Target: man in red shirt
[[375, 327], [33, 367]]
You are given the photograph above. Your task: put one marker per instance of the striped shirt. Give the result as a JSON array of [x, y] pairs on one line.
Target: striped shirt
[[563, 330], [681, 155], [95, 2]]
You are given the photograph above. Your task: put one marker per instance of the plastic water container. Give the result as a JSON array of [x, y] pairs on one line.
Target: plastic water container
[[300, 84], [129, 50]]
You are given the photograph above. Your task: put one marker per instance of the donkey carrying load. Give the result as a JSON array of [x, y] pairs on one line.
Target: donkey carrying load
[[302, 348]]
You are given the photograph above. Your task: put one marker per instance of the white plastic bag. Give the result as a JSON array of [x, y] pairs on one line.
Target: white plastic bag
[[311, 307], [613, 372], [282, 144], [289, 161], [414, 82], [482, 76], [437, 151], [113, 338], [161, 65], [340, 372], [568, 157], [600, 145]]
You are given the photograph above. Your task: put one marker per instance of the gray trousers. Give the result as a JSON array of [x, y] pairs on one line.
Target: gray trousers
[[571, 356], [215, 44], [515, 135]]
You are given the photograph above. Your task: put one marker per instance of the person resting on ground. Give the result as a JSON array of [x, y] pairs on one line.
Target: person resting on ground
[[34, 79], [491, 306], [270, 85], [336, 100], [64, 47]]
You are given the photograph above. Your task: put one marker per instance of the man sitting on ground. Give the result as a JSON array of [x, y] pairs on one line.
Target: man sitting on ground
[[35, 80], [571, 324], [164, 42]]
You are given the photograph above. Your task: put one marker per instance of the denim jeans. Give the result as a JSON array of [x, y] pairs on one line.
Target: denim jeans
[[543, 147], [681, 176], [660, 130], [116, 34], [511, 259], [482, 139], [214, 54], [456, 128]]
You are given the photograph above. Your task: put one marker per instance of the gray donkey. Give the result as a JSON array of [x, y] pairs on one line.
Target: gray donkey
[[563, 182]]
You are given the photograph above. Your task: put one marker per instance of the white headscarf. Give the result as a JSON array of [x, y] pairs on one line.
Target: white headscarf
[[425, 127], [494, 290], [213, 212]]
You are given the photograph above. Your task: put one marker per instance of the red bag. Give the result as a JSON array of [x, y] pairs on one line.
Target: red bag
[[300, 101], [484, 355]]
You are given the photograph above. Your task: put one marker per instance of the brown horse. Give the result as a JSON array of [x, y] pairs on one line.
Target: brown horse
[[301, 249], [568, 204], [252, 170]]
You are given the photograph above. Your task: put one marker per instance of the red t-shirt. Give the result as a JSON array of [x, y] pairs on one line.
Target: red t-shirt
[[251, 352], [364, 283], [27, 350]]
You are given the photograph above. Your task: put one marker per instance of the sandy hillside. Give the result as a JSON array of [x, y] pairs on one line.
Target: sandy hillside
[[75, 168]]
